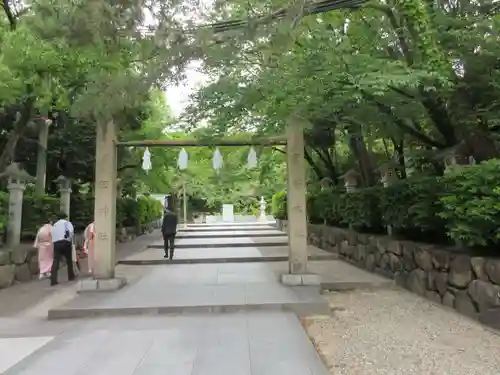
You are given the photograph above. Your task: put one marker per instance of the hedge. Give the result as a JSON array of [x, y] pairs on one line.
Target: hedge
[[463, 206], [39, 209]]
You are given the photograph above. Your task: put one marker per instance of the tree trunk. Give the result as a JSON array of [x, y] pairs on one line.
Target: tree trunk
[[9, 149], [358, 149]]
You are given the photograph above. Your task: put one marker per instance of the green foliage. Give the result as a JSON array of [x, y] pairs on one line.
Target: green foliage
[[4, 211], [36, 212], [279, 205], [471, 204], [148, 210], [323, 207], [39, 210], [360, 209], [412, 208]]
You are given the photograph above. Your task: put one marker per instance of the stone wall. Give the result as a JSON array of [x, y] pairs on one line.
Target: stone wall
[[469, 284], [20, 264]]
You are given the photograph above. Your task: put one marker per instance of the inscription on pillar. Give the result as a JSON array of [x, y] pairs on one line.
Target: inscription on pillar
[[104, 211], [102, 236]]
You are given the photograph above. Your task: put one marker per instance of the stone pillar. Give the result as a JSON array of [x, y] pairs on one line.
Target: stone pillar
[[16, 192], [41, 160], [297, 233], [65, 194], [105, 200], [16, 184]]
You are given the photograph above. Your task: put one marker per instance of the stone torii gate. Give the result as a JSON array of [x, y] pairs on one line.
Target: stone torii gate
[[106, 194]]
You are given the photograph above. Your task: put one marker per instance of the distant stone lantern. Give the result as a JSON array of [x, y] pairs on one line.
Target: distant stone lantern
[[350, 180], [64, 184], [17, 179], [456, 155], [388, 174], [326, 183]]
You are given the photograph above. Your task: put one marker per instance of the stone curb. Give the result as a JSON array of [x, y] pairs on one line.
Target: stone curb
[[344, 286], [155, 262], [225, 229], [227, 235], [299, 308]]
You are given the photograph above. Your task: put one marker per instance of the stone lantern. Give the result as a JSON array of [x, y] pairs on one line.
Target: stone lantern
[[262, 206], [388, 173], [17, 179], [326, 183], [456, 155], [64, 184], [350, 180]]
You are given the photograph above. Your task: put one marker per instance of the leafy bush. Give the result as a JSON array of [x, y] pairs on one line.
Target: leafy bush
[[412, 208], [323, 207], [81, 210], [37, 210], [148, 209], [279, 205], [4, 210], [361, 210], [471, 204]]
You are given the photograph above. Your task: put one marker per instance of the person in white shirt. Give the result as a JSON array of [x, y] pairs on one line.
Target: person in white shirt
[[62, 236]]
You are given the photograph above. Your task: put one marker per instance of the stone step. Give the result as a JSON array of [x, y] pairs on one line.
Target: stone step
[[156, 262], [301, 309], [225, 229], [231, 234]]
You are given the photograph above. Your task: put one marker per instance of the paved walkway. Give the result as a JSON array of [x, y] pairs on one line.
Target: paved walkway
[[235, 318], [256, 335]]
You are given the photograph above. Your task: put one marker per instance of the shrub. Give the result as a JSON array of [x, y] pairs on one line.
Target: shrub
[[279, 205], [81, 210], [361, 210], [37, 210], [412, 208], [4, 210], [323, 206], [471, 204], [148, 210]]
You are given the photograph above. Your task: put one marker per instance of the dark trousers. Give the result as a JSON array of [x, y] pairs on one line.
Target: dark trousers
[[62, 249], [168, 243]]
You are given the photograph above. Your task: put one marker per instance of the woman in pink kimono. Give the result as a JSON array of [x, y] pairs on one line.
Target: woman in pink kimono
[[89, 245], [43, 242]]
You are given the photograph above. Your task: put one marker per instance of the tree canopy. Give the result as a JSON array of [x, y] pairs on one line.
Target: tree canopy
[[393, 81]]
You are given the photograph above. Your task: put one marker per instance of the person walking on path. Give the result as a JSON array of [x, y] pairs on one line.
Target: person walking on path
[[43, 243], [62, 236], [169, 230], [89, 245]]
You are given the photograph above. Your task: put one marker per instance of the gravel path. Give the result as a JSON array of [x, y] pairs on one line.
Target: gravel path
[[395, 332]]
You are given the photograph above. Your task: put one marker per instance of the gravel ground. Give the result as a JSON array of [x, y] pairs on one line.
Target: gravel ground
[[395, 332]]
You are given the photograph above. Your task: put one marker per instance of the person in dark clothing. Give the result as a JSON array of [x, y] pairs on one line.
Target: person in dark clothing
[[62, 236], [169, 230]]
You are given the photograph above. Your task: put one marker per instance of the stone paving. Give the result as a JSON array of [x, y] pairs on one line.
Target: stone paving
[[252, 342], [179, 288], [235, 344]]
